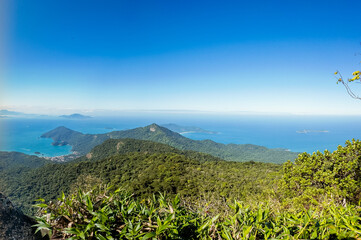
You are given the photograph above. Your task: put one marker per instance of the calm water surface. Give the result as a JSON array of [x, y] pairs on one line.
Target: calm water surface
[[23, 134]]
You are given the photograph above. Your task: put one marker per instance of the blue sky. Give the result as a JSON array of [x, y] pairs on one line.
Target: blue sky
[[212, 56]]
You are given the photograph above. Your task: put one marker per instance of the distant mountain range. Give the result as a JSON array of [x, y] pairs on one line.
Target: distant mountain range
[[83, 143], [11, 114], [5, 112]]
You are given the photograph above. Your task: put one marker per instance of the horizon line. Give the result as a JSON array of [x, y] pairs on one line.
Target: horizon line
[[115, 112]]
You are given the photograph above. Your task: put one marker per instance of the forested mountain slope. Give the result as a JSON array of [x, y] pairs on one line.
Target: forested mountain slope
[[10, 160], [143, 168], [113, 147]]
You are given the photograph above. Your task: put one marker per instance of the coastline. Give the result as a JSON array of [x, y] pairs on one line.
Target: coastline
[[64, 158]]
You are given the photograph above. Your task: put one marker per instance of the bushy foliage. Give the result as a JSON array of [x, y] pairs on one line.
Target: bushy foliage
[[116, 215], [336, 175]]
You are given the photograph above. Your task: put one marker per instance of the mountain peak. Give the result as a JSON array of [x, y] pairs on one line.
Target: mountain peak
[[153, 127], [62, 128], [60, 132]]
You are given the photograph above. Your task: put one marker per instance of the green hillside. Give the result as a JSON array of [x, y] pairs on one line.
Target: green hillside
[[9, 160], [13, 165], [113, 147], [143, 168], [83, 143], [316, 197]]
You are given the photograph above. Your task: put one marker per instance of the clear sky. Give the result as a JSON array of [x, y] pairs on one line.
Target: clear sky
[[219, 56]]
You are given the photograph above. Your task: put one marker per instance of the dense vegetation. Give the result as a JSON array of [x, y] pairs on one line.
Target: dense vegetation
[[315, 197], [15, 160], [113, 147], [117, 215], [143, 167], [15, 165], [83, 143], [336, 175]]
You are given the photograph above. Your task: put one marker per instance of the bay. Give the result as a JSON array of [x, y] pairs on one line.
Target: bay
[[296, 133]]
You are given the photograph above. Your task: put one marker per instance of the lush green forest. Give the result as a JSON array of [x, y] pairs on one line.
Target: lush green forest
[[316, 197], [83, 143], [15, 160], [167, 193], [15, 165], [143, 168]]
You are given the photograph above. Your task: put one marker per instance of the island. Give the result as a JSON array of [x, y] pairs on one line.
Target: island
[[186, 129], [4, 112], [75, 116], [83, 143], [305, 131]]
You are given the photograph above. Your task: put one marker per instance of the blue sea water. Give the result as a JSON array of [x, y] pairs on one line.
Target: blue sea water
[[23, 134]]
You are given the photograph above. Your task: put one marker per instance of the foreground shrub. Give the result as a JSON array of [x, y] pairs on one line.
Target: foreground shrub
[[336, 175], [103, 214]]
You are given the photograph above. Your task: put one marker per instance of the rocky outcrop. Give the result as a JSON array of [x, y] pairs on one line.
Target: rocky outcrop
[[14, 225]]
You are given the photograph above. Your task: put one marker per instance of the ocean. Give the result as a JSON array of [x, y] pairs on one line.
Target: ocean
[[295, 133]]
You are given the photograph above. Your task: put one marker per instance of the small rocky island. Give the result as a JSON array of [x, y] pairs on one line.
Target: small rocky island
[[305, 131]]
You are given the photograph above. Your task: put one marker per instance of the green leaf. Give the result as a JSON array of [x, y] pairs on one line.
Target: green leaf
[[149, 235], [101, 227], [100, 237]]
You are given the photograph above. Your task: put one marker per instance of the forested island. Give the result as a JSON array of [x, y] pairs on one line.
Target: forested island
[[186, 129], [83, 143], [75, 116]]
